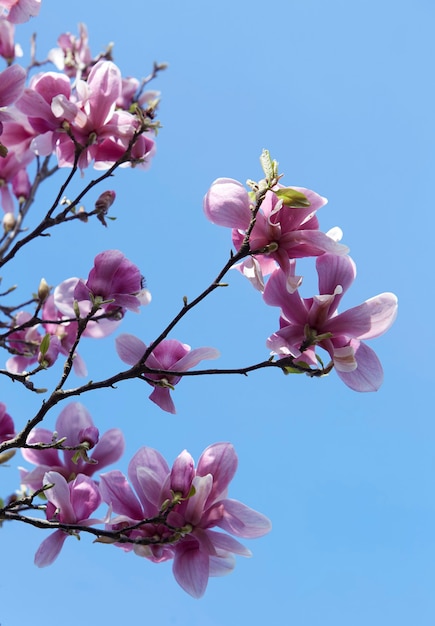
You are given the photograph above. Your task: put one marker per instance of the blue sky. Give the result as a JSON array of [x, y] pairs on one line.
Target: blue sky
[[342, 95]]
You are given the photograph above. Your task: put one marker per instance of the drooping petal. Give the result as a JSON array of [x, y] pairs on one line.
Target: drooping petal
[[242, 521], [162, 397], [227, 543], [191, 568], [221, 564], [49, 549], [369, 375]]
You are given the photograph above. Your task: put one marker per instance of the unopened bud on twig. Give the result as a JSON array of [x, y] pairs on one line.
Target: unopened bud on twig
[[9, 222], [103, 204], [43, 291]]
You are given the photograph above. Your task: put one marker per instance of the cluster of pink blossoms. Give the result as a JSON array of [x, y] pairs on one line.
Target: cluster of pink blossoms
[[84, 113], [114, 285], [172, 515], [286, 228], [87, 113]]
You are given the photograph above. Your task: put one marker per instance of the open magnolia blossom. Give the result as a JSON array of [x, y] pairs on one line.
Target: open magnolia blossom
[[169, 355], [75, 425], [70, 503], [197, 502], [306, 323], [115, 282], [114, 285], [283, 232]]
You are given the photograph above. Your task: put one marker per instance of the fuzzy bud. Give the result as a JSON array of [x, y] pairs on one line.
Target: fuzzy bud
[[43, 291], [9, 222]]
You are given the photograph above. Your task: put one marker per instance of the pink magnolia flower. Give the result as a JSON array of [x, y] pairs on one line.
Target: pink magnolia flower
[[309, 322], [76, 425], [7, 429], [69, 503], [169, 355], [19, 11], [288, 232], [88, 113], [200, 503], [38, 104], [24, 343], [95, 123], [63, 301], [73, 55], [114, 281]]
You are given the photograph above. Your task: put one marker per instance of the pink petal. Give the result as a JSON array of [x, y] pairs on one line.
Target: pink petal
[[219, 460], [223, 541], [191, 569], [48, 457], [227, 204], [370, 319], [85, 497], [59, 495], [197, 503], [49, 549], [194, 357], [369, 375], [151, 460], [109, 449], [162, 397], [238, 519], [292, 305], [335, 270], [105, 84], [306, 242], [12, 81], [182, 473], [117, 492], [71, 420], [130, 348], [221, 564]]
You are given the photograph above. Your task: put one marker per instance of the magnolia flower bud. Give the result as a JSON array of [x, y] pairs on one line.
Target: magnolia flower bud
[[9, 222], [103, 203], [43, 291]]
